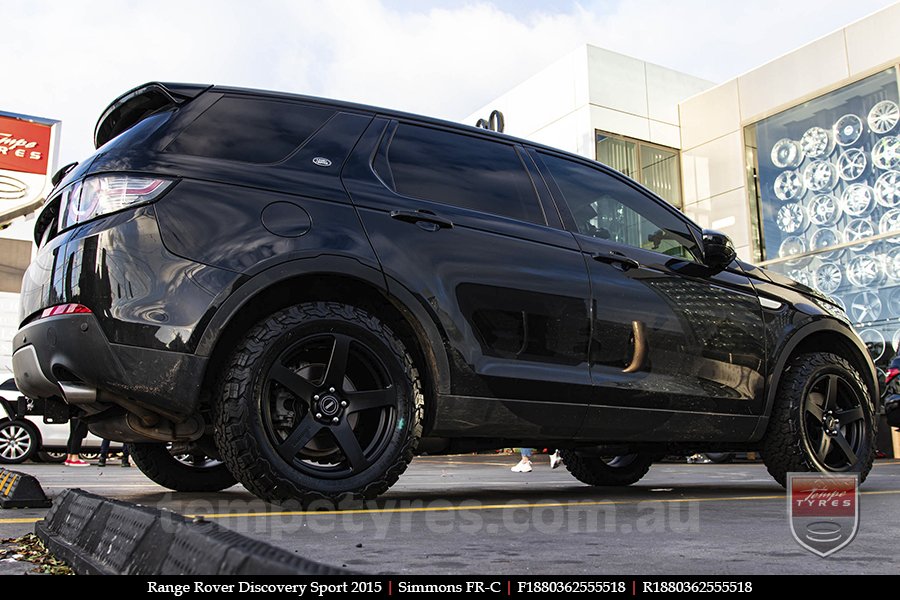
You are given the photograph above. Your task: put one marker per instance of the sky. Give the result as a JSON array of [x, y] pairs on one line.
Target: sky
[[69, 59]]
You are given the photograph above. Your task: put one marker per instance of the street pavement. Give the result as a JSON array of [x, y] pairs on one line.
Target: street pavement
[[472, 515]]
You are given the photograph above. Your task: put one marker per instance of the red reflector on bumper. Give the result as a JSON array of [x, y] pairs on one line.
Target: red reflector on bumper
[[65, 309]]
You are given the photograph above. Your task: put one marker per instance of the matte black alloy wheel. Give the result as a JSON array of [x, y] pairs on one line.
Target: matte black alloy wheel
[[320, 401], [823, 419], [329, 405], [834, 422]]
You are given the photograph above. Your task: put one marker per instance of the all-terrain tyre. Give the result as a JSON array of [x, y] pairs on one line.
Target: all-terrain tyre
[[606, 470], [823, 420], [158, 463], [319, 401]]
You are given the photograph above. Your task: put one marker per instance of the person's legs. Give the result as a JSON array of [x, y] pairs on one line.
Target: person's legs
[[104, 453], [77, 432], [524, 465], [555, 459], [125, 456]]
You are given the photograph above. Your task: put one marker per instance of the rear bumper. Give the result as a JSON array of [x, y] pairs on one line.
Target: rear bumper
[[69, 357]]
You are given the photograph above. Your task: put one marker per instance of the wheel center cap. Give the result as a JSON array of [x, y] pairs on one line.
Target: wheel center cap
[[329, 406], [829, 423]]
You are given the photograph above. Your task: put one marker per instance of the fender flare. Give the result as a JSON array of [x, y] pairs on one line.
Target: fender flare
[[424, 324], [818, 326]]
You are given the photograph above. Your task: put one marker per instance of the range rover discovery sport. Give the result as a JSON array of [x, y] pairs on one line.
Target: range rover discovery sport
[[304, 294]]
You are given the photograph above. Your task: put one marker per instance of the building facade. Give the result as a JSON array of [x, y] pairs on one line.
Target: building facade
[[798, 160]]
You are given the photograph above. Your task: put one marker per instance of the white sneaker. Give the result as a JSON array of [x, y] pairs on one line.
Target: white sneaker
[[555, 460], [522, 467]]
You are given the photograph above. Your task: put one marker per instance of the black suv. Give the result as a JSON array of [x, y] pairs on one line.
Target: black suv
[[302, 294]]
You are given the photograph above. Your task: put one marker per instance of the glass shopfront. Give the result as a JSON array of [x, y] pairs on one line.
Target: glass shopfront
[[828, 186]]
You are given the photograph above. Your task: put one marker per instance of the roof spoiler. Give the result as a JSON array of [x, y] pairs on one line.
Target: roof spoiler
[[135, 105]]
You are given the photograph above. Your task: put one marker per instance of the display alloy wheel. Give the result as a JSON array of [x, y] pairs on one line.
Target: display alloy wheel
[[883, 116], [158, 462], [858, 230], [887, 189], [597, 470], [886, 153], [822, 420], [824, 210], [320, 401], [864, 271], [847, 130], [858, 199], [828, 277], [788, 185], [19, 440], [791, 218], [817, 142], [787, 153], [820, 176], [865, 307], [851, 164]]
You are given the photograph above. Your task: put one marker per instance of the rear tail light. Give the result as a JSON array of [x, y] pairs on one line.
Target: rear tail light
[[65, 309], [103, 194], [891, 373]]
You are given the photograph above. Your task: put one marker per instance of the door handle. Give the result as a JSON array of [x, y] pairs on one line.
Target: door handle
[[419, 216], [617, 258]]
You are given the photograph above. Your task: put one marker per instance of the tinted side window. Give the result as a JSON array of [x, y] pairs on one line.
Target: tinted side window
[[250, 130], [607, 208], [462, 171]]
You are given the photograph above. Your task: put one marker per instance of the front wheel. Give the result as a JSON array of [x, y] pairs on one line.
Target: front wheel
[[606, 470], [19, 440], [319, 401], [823, 420], [192, 474]]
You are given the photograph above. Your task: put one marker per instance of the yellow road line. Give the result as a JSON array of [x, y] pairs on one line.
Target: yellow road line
[[416, 509], [485, 507]]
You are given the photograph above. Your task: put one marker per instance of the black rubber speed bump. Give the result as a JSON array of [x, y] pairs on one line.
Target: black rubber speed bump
[[100, 536], [21, 490]]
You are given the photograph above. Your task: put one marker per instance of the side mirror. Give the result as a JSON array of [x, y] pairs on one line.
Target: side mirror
[[718, 250]]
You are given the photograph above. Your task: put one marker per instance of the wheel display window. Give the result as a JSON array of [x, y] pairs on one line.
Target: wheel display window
[[828, 195]]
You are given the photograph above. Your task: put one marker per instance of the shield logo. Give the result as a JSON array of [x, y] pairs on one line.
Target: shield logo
[[823, 510]]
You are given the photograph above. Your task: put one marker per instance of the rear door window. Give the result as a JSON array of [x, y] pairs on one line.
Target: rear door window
[[250, 130], [460, 170]]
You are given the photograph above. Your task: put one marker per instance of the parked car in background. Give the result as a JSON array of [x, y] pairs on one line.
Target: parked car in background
[[310, 292], [30, 438]]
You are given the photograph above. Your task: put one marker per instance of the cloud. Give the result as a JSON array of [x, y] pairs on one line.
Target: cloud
[[443, 59]]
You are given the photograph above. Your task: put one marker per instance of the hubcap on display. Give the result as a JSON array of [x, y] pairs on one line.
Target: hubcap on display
[[875, 342], [828, 278], [329, 405], [791, 218], [864, 271], [834, 423], [865, 307], [856, 230]]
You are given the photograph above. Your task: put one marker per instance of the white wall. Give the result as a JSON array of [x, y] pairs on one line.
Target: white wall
[[592, 88]]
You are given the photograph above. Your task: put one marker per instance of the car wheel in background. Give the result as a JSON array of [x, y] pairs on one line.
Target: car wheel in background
[[606, 470], [160, 465], [19, 440]]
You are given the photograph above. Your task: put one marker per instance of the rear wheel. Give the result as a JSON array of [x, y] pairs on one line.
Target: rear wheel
[[194, 474], [606, 470], [51, 457], [823, 420], [19, 440], [319, 401]]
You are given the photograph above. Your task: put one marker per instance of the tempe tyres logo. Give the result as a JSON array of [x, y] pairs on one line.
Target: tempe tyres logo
[[823, 510], [27, 154]]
